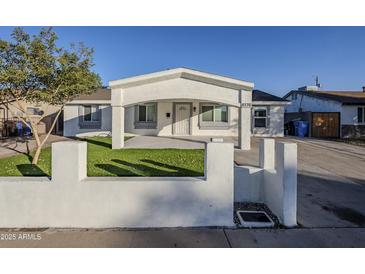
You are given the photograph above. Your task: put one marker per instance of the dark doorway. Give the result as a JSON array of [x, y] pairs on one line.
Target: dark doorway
[[59, 126]]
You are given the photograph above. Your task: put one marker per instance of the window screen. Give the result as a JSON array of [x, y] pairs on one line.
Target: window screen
[[220, 114], [87, 113], [207, 113]]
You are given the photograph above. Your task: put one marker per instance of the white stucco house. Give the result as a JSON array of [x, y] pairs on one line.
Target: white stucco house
[[176, 102], [329, 113]]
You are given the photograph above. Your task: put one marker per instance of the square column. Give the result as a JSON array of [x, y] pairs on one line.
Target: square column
[[117, 119], [244, 123], [117, 127]]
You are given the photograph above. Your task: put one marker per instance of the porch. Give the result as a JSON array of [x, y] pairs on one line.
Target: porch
[[181, 102], [178, 142]]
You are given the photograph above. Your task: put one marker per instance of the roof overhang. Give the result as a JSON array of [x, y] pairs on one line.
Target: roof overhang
[[185, 74], [88, 102]]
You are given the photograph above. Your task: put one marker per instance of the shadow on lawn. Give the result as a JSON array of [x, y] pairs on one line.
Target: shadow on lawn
[[30, 170], [100, 143], [146, 170], [117, 171], [97, 143], [179, 170]]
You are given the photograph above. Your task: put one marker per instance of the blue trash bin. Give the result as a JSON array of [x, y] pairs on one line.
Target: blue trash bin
[[28, 130], [19, 127], [301, 128]]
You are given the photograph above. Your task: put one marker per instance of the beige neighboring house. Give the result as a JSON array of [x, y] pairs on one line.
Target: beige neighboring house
[[176, 102], [8, 118]]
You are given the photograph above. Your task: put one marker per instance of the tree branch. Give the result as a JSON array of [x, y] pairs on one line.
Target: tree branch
[[45, 112], [53, 125]]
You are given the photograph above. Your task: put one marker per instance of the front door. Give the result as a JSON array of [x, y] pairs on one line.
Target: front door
[[182, 119]]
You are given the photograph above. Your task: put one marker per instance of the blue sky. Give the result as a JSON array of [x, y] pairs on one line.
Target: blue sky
[[276, 59]]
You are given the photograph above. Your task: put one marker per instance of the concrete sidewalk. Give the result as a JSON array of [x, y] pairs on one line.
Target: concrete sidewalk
[[204, 237], [20, 145]]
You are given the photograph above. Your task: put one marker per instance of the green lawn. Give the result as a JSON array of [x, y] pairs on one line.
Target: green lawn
[[103, 161]]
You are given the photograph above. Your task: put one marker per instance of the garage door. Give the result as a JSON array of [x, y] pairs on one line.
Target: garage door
[[326, 124]]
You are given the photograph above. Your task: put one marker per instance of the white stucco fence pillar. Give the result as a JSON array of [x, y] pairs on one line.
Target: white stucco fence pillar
[[279, 162], [286, 168], [244, 123], [219, 172], [117, 127], [117, 119], [218, 159], [267, 153], [69, 161]]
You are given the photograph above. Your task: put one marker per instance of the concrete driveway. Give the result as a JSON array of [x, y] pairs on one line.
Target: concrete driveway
[[331, 176], [23, 145], [331, 182]]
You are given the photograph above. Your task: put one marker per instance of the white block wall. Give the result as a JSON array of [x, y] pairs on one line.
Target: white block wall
[[274, 183], [71, 199]]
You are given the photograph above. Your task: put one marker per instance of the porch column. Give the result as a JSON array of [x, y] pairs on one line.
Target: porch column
[[117, 119], [244, 125]]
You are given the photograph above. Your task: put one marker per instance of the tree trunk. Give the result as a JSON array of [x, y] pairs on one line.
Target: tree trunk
[[40, 144], [36, 155]]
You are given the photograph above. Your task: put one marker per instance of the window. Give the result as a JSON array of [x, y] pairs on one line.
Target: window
[[147, 113], [260, 117], [361, 114], [214, 113], [220, 114], [91, 113], [207, 113]]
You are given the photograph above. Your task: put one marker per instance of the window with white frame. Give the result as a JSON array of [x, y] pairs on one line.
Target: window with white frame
[[260, 117], [147, 113], [361, 115], [214, 113], [91, 113]]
